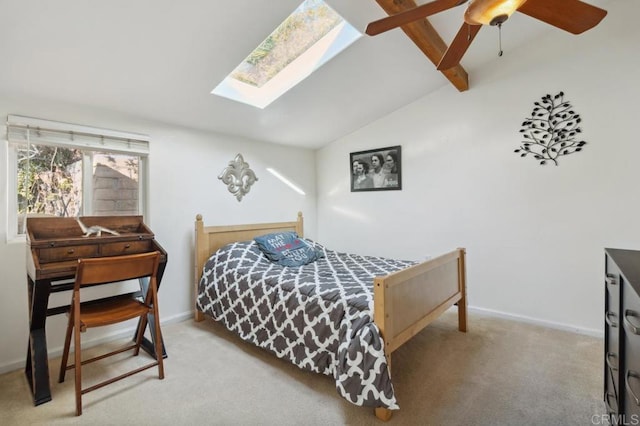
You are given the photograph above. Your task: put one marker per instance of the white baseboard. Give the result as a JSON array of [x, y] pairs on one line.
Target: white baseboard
[[540, 322], [120, 334]]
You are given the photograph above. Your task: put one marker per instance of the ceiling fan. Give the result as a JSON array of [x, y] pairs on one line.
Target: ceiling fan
[[573, 16]]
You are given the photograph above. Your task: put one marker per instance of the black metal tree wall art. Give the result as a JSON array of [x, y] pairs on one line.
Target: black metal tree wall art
[[551, 131]]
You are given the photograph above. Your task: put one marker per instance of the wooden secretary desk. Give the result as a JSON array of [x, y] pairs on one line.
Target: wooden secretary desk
[[54, 245]]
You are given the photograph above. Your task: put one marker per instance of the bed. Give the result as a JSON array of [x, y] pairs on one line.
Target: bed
[[401, 298]]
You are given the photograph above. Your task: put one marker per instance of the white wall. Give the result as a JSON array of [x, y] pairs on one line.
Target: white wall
[[184, 165], [534, 234]]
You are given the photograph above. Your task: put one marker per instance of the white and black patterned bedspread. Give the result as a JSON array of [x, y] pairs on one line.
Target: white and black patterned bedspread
[[318, 316]]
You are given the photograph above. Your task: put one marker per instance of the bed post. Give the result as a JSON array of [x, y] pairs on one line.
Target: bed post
[[462, 303], [383, 414], [379, 317], [200, 258], [300, 225]]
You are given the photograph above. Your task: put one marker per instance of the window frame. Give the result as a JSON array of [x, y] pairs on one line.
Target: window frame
[[88, 140]]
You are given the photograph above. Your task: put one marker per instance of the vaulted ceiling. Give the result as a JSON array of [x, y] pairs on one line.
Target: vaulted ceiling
[[160, 59]]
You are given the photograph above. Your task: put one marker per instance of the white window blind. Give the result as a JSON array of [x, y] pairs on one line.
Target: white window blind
[[37, 131]]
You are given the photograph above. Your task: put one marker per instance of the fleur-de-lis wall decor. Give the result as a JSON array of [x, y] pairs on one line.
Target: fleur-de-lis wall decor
[[238, 177], [551, 131]]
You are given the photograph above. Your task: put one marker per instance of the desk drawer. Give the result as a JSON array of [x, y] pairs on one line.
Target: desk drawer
[[612, 292], [611, 383], [59, 254], [612, 346], [125, 247], [631, 394], [630, 320], [611, 402]]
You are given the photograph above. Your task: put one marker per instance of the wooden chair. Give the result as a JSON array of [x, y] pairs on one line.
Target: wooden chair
[[111, 310]]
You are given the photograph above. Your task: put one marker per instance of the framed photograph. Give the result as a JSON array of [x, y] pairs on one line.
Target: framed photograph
[[376, 169]]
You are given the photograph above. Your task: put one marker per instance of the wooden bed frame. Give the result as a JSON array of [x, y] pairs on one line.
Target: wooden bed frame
[[405, 302]]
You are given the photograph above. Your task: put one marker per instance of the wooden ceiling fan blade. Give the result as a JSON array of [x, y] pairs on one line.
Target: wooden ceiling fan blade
[[459, 46], [573, 16], [410, 15]]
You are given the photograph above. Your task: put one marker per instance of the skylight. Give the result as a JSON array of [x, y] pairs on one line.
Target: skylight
[[308, 38]]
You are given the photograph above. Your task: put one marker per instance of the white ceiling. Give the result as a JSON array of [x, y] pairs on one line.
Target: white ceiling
[[160, 59]]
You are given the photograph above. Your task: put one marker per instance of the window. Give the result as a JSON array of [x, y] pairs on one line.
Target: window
[[308, 38], [66, 170]]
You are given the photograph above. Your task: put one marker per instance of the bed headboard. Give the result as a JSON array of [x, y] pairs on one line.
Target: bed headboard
[[211, 238]]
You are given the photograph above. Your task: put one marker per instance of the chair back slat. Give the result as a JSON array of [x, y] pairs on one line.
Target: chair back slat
[[104, 270]]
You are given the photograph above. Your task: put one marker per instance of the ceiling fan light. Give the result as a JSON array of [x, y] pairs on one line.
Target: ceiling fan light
[[490, 12]]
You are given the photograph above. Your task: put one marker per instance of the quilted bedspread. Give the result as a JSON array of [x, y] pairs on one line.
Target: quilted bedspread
[[318, 316]]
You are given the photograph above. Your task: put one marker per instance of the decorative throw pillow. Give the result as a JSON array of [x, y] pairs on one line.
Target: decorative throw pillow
[[287, 249]]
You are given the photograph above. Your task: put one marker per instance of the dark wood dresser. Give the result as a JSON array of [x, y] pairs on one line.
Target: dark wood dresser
[[54, 245], [622, 334]]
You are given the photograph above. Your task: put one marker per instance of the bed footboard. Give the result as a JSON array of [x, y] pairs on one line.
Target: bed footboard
[[406, 301]]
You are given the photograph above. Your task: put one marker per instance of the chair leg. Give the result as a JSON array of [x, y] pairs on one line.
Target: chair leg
[[78, 366], [142, 324], [65, 352], [158, 346]]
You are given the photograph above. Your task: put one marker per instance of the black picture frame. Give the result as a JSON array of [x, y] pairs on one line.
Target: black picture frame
[[363, 174]]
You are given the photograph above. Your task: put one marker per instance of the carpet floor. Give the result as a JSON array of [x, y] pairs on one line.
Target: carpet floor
[[500, 372]]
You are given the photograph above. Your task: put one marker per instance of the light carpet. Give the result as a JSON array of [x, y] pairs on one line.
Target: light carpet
[[501, 372]]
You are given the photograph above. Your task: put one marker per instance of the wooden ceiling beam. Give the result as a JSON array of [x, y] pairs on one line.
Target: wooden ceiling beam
[[428, 40]]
